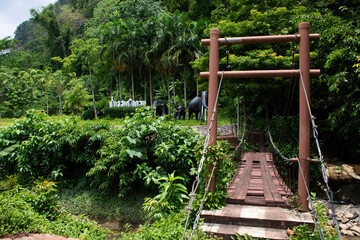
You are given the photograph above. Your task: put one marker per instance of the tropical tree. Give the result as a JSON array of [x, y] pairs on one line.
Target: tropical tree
[[45, 79], [84, 59], [58, 38], [76, 95], [124, 41], [58, 83], [18, 90], [183, 45]]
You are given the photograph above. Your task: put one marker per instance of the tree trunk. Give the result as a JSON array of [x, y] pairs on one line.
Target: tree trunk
[[145, 86], [47, 102], [93, 93], [132, 82], [118, 86], [185, 103], [60, 108], [185, 84], [173, 83], [111, 87], [197, 88], [168, 95], [150, 88]]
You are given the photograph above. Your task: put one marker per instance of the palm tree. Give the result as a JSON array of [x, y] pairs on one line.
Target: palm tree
[[124, 41], [58, 83], [45, 81], [184, 46]]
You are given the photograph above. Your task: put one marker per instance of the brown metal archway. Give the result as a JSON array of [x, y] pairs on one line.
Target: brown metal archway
[[304, 38]]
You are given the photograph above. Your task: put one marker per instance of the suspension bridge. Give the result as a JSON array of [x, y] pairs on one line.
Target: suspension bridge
[[258, 202], [258, 198]]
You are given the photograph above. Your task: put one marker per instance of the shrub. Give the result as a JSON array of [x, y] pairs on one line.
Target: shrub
[[144, 143], [119, 112], [36, 145], [37, 209], [167, 228], [170, 199], [224, 171], [303, 232], [88, 114]]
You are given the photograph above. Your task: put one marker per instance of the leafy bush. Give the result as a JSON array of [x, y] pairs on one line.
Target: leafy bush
[[37, 209], [36, 145], [119, 112], [88, 114], [142, 145], [170, 199], [303, 232], [39, 146], [224, 171], [167, 228]]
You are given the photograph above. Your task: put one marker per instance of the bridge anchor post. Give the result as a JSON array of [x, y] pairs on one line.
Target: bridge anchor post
[[304, 119], [213, 89]]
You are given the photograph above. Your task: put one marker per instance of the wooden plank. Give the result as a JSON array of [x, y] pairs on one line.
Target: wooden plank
[[257, 182], [267, 188], [242, 185], [270, 191]]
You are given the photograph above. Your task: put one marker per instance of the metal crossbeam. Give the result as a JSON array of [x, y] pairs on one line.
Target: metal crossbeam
[[261, 73], [261, 39]]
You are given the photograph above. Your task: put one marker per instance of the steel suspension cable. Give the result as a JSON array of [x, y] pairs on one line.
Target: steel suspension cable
[[329, 192], [313, 211], [274, 146], [196, 182], [240, 143]]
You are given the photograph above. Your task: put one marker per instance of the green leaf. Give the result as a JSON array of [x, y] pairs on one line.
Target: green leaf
[[8, 150], [133, 153]]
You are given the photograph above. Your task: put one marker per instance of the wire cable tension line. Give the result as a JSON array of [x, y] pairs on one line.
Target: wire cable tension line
[[196, 182], [329, 192]]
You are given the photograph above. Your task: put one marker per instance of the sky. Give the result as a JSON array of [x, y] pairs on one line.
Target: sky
[[14, 12]]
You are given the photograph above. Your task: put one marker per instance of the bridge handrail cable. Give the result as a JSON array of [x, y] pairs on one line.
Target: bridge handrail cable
[[196, 182], [329, 192], [313, 212]]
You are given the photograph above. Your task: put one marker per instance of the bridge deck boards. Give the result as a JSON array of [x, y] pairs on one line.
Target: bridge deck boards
[[257, 182]]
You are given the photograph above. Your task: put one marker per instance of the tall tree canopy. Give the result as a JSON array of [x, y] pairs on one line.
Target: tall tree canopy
[[148, 49]]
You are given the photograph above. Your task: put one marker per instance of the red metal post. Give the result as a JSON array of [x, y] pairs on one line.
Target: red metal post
[[304, 122], [213, 88]]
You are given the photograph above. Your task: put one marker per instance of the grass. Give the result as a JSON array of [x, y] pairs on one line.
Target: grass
[[223, 119], [5, 122], [96, 206]]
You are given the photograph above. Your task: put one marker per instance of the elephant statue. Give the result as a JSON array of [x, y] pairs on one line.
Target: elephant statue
[[198, 105], [179, 112], [160, 108]]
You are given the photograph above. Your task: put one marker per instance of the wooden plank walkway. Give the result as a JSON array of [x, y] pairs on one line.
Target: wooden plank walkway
[[257, 182]]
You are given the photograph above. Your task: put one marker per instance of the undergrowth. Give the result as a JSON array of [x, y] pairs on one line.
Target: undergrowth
[[100, 207], [37, 209]]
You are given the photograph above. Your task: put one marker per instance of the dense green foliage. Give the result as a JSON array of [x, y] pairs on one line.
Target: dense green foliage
[[303, 232], [118, 112], [170, 227], [37, 209], [144, 152], [113, 158], [225, 170], [142, 146], [71, 57], [40, 147], [74, 49]]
